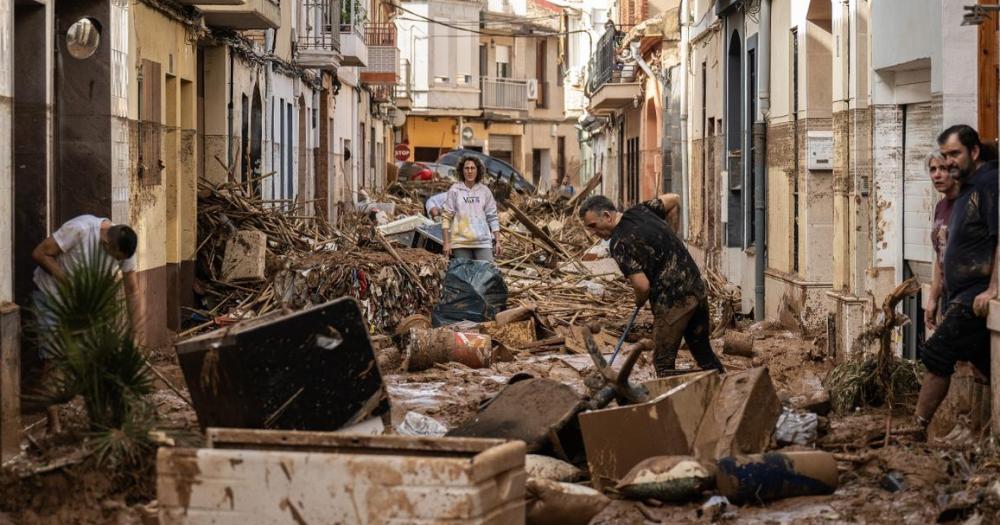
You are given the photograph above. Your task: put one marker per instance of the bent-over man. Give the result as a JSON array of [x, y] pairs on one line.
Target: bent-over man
[[660, 269]]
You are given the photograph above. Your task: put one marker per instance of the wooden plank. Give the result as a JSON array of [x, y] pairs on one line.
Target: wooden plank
[[993, 323], [330, 442], [10, 381], [591, 184], [988, 75]]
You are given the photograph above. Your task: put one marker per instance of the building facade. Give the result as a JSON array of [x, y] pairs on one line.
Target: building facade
[[498, 89]]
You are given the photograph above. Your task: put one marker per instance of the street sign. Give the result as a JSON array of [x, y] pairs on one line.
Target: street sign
[[402, 152]]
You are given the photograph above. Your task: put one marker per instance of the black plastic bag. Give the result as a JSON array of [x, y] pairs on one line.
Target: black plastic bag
[[472, 291]]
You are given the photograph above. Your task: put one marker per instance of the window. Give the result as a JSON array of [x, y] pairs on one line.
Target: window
[[289, 158], [561, 159], [751, 117], [503, 61], [541, 53]]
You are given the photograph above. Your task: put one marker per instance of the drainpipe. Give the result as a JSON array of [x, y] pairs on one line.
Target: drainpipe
[[229, 115], [685, 185], [760, 165]]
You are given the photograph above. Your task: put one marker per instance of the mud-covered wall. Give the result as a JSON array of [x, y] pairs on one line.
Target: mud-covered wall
[[163, 195], [31, 135]]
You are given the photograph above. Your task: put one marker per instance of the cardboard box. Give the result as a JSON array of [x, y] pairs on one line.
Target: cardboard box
[[741, 417], [616, 439]]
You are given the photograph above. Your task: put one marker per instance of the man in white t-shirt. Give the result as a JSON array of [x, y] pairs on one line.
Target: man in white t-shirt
[[62, 252]]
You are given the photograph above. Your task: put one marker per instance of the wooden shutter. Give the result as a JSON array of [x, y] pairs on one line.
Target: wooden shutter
[[150, 125]]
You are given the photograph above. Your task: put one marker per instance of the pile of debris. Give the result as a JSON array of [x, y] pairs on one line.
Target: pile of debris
[[255, 258]]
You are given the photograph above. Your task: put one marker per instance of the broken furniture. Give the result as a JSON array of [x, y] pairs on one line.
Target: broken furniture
[[252, 476], [309, 370], [696, 414], [618, 438], [539, 412]]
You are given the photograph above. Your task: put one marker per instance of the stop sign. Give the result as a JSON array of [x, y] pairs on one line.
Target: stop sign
[[402, 152]]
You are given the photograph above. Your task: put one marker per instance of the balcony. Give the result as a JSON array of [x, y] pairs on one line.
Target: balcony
[[210, 2], [318, 43], [353, 50], [612, 83], [245, 15], [404, 88], [383, 55], [504, 94]]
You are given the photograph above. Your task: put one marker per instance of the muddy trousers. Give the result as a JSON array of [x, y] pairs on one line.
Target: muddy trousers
[[690, 321]]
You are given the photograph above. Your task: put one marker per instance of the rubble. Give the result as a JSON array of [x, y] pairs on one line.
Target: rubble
[[307, 261]]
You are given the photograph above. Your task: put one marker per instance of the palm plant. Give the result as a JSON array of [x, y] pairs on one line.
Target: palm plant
[[83, 329]]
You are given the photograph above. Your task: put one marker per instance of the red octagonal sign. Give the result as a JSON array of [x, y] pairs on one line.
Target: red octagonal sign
[[402, 152]]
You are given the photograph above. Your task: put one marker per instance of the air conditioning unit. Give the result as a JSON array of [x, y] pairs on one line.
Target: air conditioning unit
[[532, 89]]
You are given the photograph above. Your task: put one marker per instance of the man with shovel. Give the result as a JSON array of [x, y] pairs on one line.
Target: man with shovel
[[660, 269]]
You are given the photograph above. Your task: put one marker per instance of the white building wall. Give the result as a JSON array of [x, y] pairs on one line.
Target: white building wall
[[924, 63], [445, 60]]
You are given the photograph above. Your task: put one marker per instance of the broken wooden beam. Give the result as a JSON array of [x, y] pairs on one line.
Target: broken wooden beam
[[591, 184]]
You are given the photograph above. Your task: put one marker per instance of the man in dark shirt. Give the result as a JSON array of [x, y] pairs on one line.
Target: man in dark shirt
[[657, 264], [969, 269]]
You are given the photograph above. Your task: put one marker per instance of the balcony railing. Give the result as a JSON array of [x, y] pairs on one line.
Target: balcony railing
[[383, 55], [504, 93], [604, 62], [379, 35], [352, 35], [318, 41]]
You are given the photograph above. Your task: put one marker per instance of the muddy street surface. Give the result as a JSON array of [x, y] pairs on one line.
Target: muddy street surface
[[950, 480]]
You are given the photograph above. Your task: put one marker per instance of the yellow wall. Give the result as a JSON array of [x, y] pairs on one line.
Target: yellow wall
[[164, 216], [431, 132]]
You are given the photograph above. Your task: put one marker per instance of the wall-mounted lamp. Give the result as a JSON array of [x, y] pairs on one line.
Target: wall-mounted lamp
[[976, 14]]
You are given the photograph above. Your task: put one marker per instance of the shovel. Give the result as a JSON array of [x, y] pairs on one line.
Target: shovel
[[621, 339]]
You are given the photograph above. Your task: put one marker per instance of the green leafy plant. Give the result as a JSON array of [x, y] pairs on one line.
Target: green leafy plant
[[82, 328]]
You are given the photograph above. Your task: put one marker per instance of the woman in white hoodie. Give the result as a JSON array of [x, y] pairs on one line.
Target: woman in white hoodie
[[470, 215]]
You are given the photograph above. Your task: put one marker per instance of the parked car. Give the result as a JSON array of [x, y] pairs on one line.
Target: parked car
[[410, 171], [496, 169], [443, 171]]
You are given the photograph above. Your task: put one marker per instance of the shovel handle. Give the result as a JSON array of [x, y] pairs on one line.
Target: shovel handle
[[625, 332]]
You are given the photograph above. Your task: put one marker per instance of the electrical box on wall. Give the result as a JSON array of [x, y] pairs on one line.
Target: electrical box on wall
[[819, 147]]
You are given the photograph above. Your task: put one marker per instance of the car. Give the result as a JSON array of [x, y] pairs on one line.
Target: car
[[443, 171], [496, 169], [411, 171]]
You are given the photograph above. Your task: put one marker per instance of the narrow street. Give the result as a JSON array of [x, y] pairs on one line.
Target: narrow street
[[499, 261]]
